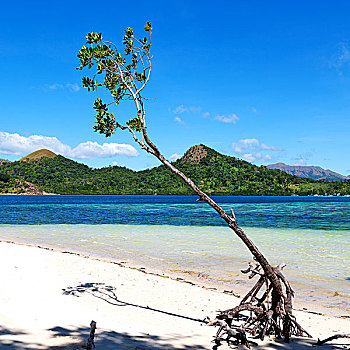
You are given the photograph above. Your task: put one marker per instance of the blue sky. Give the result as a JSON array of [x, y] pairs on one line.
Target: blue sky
[[265, 81]]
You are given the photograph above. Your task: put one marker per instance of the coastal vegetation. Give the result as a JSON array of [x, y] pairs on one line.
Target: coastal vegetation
[[11, 185], [215, 173]]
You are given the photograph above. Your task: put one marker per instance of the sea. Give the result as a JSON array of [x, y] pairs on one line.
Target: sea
[[186, 239]]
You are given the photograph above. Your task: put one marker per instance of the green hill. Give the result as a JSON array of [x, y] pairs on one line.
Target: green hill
[[215, 173]]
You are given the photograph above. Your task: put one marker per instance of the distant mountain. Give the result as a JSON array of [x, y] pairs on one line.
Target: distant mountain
[[213, 172], [311, 172], [42, 153]]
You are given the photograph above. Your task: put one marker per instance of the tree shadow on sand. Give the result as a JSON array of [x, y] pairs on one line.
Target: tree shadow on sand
[[76, 338], [111, 340], [124, 341], [107, 293], [106, 340]]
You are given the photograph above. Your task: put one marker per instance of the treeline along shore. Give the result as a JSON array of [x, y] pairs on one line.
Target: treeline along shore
[[217, 174]]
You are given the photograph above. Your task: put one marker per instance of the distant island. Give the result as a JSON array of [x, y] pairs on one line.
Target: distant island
[[311, 172], [44, 172]]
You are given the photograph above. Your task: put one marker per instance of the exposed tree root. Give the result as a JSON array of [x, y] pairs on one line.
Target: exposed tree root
[[269, 313]]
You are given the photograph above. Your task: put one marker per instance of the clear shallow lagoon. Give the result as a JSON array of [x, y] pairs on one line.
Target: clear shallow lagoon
[[310, 234]]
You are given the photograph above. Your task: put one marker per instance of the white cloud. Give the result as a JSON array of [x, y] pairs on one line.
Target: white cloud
[[174, 157], [244, 144], [18, 145], [254, 110], [271, 148], [342, 56], [180, 109], [252, 144], [55, 86], [115, 163], [180, 121], [74, 87], [206, 115], [299, 162], [229, 119], [252, 150], [249, 157], [71, 87], [303, 158], [90, 150]]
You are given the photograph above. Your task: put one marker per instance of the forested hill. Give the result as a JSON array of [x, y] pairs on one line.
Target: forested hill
[[215, 173]]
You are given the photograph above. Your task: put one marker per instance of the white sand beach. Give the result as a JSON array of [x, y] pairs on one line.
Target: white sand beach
[[48, 299]]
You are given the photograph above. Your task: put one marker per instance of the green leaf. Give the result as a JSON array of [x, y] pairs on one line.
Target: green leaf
[[93, 38], [134, 124], [148, 27]]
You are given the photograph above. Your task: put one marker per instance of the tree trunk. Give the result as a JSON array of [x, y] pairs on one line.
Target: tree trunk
[[279, 316]]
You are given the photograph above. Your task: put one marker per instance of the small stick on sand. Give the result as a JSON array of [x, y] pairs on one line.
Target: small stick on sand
[[90, 341], [335, 336]]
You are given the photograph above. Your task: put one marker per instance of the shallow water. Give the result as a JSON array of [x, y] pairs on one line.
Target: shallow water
[[311, 235], [316, 260]]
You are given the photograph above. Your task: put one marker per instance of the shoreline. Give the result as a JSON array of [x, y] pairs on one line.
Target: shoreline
[[49, 298], [187, 195], [192, 278], [206, 256]]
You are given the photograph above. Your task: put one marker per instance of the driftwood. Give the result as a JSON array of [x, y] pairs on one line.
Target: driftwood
[[335, 336], [268, 313], [90, 342]]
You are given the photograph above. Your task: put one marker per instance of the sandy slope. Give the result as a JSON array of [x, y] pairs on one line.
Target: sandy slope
[[48, 299]]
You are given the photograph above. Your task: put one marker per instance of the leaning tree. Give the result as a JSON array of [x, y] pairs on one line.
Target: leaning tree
[[125, 73]]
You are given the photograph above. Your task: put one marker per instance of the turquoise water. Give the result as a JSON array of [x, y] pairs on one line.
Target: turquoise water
[[312, 236], [279, 212]]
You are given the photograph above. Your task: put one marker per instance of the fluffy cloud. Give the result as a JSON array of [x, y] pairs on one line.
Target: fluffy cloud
[[19, 145], [229, 119], [174, 157], [90, 150], [252, 144], [249, 157], [244, 144], [252, 150]]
